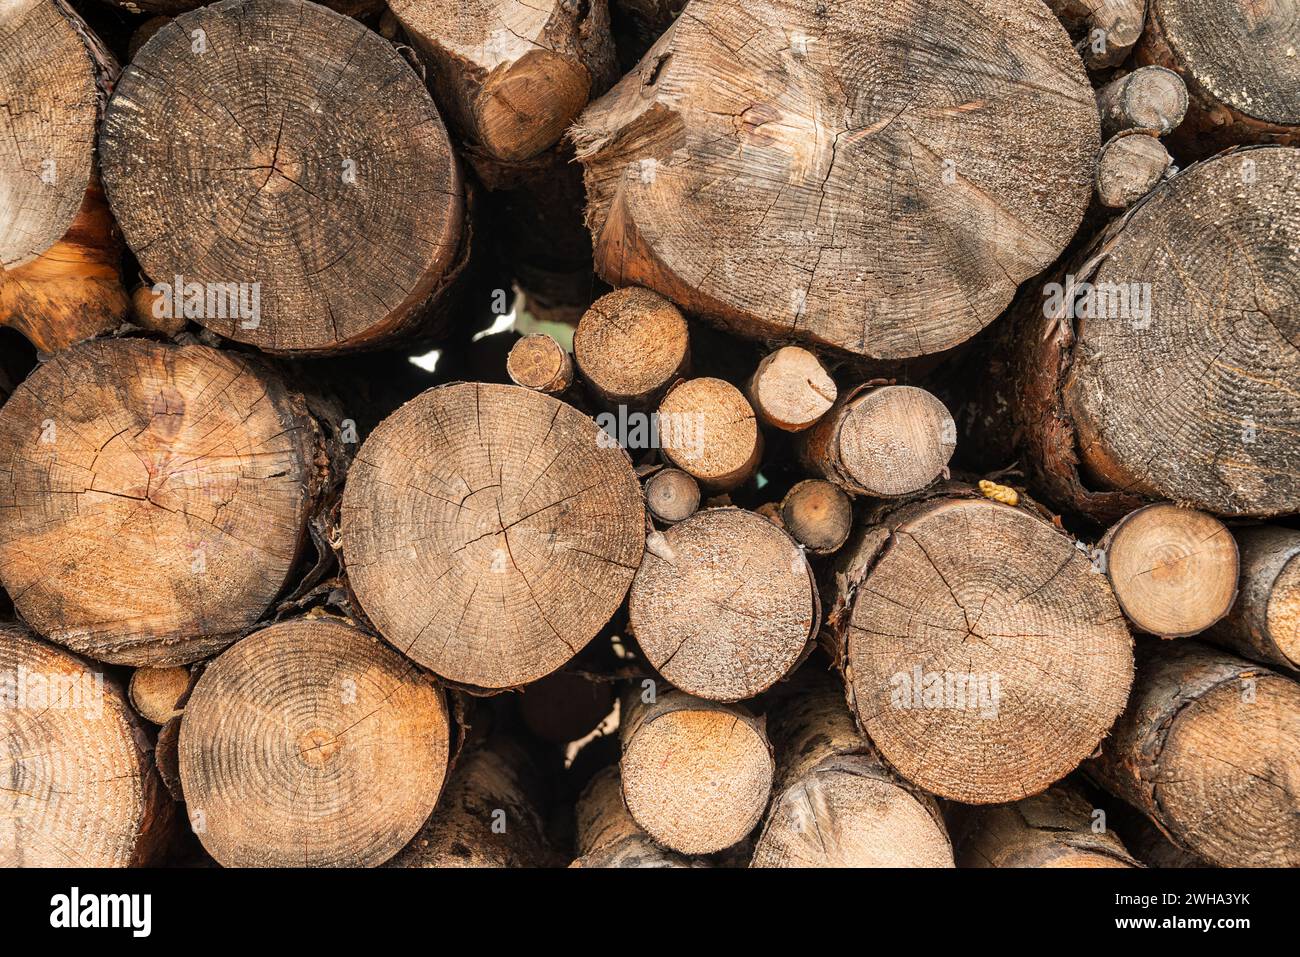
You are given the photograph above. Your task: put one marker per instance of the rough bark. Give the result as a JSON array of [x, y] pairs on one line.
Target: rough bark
[[672, 496], [708, 428], [1241, 65], [342, 749], [1129, 166], [1107, 29], [59, 253], [287, 146], [154, 499], [631, 346], [540, 363], [818, 515], [981, 652], [1209, 749], [80, 788], [607, 835], [696, 774], [724, 604], [790, 169], [1264, 623], [835, 804], [882, 441], [1052, 829], [489, 532], [154, 692], [491, 813], [1156, 367], [1149, 98], [511, 76], [791, 389], [1173, 570]]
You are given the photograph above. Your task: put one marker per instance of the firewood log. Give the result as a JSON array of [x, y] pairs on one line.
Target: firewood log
[[59, 253], [671, 495], [708, 428], [1241, 65], [981, 652], [1053, 829], [696, 774], [631, 345], [724, 604], [1209, 749], [835, 804], [81, 787], [491, 813], [792, 169], [154, 499], [310, 743], [1149, 98], [1264, 623], [791, 389], [1129, 166], [1173, 570], [511, 76], [283, 170], [1157, 366], [490, 531], [539, 362], [882, 441], [818, 515], [154, 692]]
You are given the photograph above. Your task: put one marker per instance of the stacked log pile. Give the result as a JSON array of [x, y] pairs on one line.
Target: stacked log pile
[[888, 451]]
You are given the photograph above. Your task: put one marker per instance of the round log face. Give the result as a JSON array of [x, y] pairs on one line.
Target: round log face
[[987, 658], [874, 823], [1282, 614], [1174, 570], [490, 531], [1243, 55], [1227, 773], [310, 743], [153, 498], [78, 788], [697, 780], [726, 607], [1181, 384], [290, 163], [793, 168], [49, 82]]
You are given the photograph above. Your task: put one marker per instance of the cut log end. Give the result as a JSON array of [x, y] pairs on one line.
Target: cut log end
[[344, 749], [713, 129], [1230, 445], [154, 511], [725, 607], [46, 62], [1129, 167], [696, 775], [1149, 98], [818, 514], [836, 805], [1174, 570], [540, 363], [885, 441], [84, 790], [630, 346], [1209, 748], [672, 495], [708, 428], [336, 202], [155, 692], [791, 389], [520, 526], [980, 624]]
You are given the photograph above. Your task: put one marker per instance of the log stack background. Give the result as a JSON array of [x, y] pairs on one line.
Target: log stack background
[[650, 434]]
